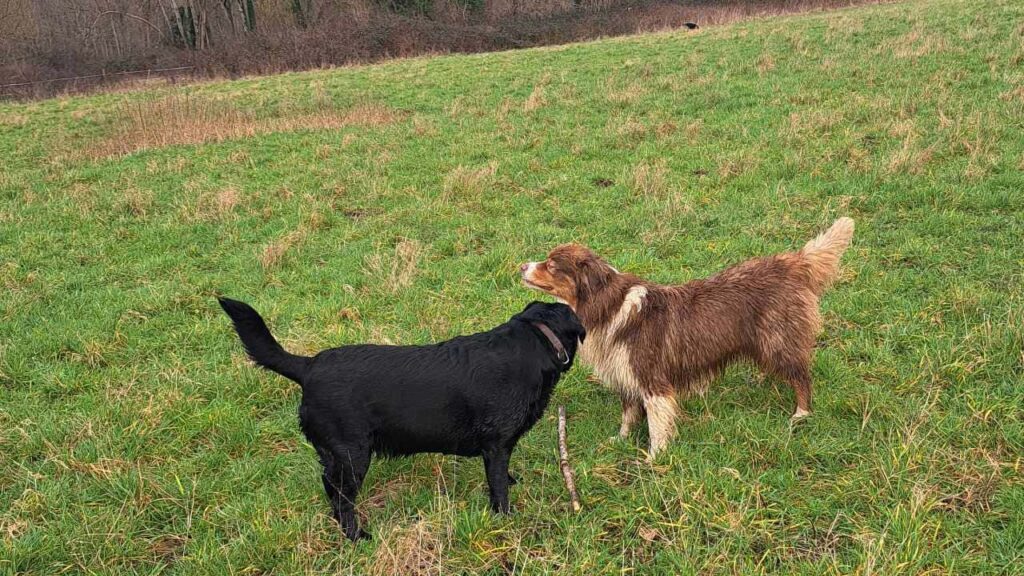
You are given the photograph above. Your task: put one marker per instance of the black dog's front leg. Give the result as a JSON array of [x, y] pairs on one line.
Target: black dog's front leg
[[496, 467]]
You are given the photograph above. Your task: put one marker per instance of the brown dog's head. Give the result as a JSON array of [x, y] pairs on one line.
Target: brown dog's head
[[571, 273]]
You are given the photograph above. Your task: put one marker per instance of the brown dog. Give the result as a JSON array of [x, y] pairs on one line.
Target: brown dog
[[648, 342]]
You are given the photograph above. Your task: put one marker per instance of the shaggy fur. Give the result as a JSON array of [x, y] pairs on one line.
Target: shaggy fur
[[648, 342], [470, 396]]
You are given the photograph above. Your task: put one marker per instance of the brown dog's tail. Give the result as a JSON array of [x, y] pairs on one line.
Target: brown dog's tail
[[822, 254]]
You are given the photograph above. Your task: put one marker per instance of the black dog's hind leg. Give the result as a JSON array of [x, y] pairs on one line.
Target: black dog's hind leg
[[344, 471], [354, 464], [331, 478], [496, 467]]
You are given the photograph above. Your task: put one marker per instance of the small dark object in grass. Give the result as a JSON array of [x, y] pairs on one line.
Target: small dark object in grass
[[470, 396], [691, 25], [602, 182], [356, 213]]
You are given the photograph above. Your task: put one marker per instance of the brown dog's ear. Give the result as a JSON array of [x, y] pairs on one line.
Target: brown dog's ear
[[594, 276]]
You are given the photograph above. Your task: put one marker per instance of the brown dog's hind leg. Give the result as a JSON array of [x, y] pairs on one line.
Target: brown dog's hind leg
[[799, 377], [797, 373]]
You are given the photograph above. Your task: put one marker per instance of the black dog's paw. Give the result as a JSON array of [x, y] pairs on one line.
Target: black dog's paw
[[358, 535], [503, 509], [512, 480]]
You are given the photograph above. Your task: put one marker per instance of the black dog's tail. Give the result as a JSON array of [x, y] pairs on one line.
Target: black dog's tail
[[260, 344]]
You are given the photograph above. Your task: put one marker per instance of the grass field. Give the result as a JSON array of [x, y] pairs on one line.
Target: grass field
[[392, 203]]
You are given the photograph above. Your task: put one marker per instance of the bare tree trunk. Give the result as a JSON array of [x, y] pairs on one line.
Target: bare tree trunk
[[117, 42], [179, 21], [249, 14], [228, 7]]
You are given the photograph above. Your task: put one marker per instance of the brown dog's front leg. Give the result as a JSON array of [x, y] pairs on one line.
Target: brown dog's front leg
[[632, 412], [661, 422]]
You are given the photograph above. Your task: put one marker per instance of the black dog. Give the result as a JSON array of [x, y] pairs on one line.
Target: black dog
[[470, 396]]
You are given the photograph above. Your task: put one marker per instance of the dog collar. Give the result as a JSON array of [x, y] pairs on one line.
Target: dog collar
[[563, 356]]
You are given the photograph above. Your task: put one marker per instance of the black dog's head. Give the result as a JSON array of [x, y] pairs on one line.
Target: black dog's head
[[561, 320]]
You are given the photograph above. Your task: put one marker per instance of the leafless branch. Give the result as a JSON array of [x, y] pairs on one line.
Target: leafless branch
[[128, 14], [563, 461]]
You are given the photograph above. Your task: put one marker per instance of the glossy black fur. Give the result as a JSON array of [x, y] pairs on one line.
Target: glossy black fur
[[470, 396]]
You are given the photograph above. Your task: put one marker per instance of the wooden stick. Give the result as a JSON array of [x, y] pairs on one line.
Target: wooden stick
[[563, 453]]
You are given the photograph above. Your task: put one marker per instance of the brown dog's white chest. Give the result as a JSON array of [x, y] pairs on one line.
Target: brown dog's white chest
[[610, 358]]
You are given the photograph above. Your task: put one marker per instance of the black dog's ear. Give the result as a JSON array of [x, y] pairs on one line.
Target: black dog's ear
[[532, 304], [581, 332], [532, 312], [568, 320]]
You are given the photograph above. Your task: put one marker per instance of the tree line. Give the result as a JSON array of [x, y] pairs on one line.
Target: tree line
[[46, 39]]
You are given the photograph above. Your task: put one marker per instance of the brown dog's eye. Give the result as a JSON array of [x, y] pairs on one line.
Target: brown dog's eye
[[551, 267]]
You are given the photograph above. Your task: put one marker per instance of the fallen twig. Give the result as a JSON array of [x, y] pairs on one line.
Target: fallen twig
[[563, 461]]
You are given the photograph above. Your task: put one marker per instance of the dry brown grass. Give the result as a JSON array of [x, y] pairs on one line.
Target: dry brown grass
[[858, 159], [693, 130], [629, 129], [1013, 94], [649, 179], [630, 94], [738, 164], [208, 206], [842, 26], [82, 195], [423, 126], [13, 120], [665, 129], [225, 200], [403, 267], [181, 119], [414, 550], [910, 157], [465, 183], [813, 123], [915, 44], [12, 528], [396, 271], [650, 182], [537, 98], [274, 252], [765, 64], [94, 353], [972, 135], [136, 202]]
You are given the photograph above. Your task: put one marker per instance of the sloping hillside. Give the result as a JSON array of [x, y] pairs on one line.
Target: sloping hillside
[[392, 203]]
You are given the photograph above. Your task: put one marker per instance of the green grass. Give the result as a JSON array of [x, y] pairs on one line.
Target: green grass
[[135, 438]]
